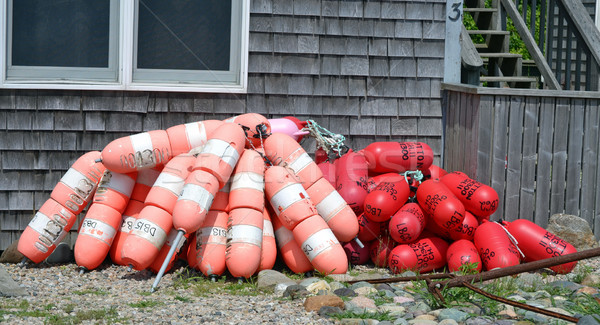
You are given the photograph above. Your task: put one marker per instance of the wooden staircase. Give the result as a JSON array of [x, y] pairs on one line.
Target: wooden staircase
[[500, 68]]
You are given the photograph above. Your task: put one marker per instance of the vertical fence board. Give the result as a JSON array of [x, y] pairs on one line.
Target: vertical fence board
[[500, 152], [474, 135], [559, 156], [544, 164], [450, 152], [460, 134], [530, 139], [590, 161], [515, 143], [574, 154], [484, 143]]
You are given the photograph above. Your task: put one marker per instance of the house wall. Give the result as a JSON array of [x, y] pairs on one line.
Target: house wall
[[369, 70]]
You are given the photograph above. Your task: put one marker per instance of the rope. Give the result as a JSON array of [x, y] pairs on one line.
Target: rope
[[329, 141], [417, 175]]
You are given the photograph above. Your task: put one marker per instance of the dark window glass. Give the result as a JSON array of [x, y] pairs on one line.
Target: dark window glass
[[66, 33], [184, 34]]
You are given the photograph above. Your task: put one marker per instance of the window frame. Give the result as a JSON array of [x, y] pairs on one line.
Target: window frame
[[125, 59]]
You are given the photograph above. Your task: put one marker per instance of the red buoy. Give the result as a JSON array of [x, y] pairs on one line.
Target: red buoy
[[351, 179], [328, 170], [424, 255], [380, 250], [387, 198], [495, 247], [463, 252], [368, 229], [536, 243], [438, 201], [478, 198], [407, 224], [357, 255], [386, 157]]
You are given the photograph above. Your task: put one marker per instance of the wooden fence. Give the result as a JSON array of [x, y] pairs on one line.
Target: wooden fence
[[537, 148]]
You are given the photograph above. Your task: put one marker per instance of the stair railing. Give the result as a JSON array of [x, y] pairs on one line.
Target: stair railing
[[569, 36]]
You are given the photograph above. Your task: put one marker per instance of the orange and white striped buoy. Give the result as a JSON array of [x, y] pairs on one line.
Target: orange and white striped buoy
[[211, 241], [290, 251], [248, 182], [138, 151], [221, 200], [165, 190], [268, 253], [147, 237], [256, 128], [46, 229], [115, 189], [76, 187], [127, 220], [320, 246], [185, 137], [222, 152], [288, 198], [281, 149], [164, 251], [143, 183], [244, 240], [194, 201], [334, 210], [96, 235]]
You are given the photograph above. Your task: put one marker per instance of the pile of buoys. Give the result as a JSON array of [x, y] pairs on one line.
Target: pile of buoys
[[229, 195]]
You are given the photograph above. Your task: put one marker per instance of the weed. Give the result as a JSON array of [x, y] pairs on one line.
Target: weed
[[68, 308], [104, 315], [380, 298], [380, 316], [585, 305], [49, 306], [183, 299], [581, 272], [97, 292], [144, 304], [145, 293]]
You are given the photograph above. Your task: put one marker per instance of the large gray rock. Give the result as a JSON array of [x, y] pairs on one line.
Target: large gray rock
[[61, 255], [268, 279], [11, 254], [8, 286], [573, 229]]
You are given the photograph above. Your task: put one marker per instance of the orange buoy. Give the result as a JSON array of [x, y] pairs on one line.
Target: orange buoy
[[386, 157], [441, 204], [185, 137], [127, 220], [211, 242], [194, 201], [143, 183], [537, 244], [222, 152], [256, 128], [478, 198], [46, 229], [282, 150], [164, 251], [137, 152], [495, 247], [76, 187], [424, 255], [146, 238], [268, 254], [115, 189], [165, 190], [321, 247], [288, 198], [463, 252], [244, 240], [221, 200], [248, 182], [334, 210], [407, 223], [96, 235], [290, 251]]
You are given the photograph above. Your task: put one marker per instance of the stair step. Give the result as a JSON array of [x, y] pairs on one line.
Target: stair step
[[476, 10], [487, 32], [520, 79], [501, 55]]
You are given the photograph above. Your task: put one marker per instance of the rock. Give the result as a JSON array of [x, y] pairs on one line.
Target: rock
[[448, 321], [345, 292], [308, 281], [62, 254], [422, 322], [452, 313], [361, 284], [573, 229], [327, 311], [11, 254], [358, 321], [385, 322], [566, 285], [280, 288], [8, 286], [394, 310], [523, 322], [591, 279], [403, 300], [365, 291], [479, 321], [588, 320], [535, 317], [508, 311], [336, 285], [384, 286], [529, 281], [426, 317], [400, 321], [317, 287], [295, 291], [587, 290], [361, 304], [315, 303], [268, 279]]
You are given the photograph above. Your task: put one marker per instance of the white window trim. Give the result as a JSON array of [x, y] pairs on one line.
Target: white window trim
[[125, 60]]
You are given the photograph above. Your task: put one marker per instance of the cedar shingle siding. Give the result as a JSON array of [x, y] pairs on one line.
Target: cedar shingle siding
[[368, 70]]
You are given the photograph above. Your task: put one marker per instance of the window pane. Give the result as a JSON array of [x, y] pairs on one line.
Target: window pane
[[66, 33], [184, 34]]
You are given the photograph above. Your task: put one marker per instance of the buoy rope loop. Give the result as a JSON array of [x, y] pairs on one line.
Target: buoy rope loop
[[417, 175], [326, 139]]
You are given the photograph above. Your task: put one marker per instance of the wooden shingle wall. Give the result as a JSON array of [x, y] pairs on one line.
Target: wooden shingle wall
[[370, 70]]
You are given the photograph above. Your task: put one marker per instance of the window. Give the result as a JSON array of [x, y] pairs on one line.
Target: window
[[177, 45]]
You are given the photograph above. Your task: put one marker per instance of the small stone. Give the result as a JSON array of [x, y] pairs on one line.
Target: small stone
[[327, 311], [308, 281], [362, 303], [452, 313], [62, 254], [448, 321], [393, 309], [426, 317], [400, 321], [358, 321], [336, 285], [560, 311], [383, 286], [360, 284], [587, 290], [588, 320], [295, 291], [318, 286], [479, 321], [591, 279], [11, 254], [345, 292], [529, 281], [535, 317], [280, 288], [365, 291], [422, 322], [403, 300], [315, 303], [268, 279], [508, 311], [567, 285]]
